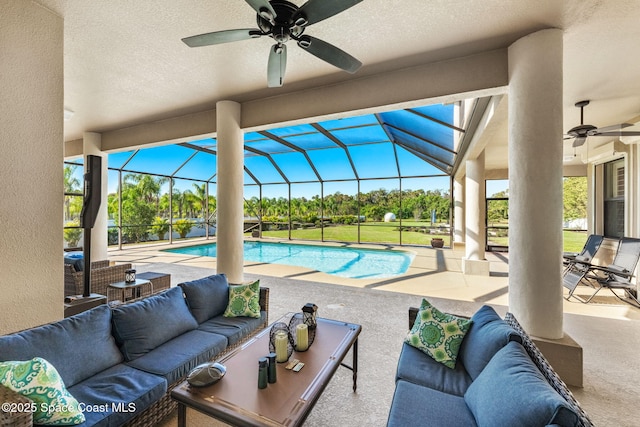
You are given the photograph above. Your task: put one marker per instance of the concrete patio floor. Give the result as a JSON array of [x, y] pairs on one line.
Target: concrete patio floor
[[433, 272], [608, 330]]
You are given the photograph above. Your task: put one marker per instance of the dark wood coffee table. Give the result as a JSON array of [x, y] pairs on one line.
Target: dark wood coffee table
[[237, 400]]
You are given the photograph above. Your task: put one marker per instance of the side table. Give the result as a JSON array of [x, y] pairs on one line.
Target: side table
[[127, 292]]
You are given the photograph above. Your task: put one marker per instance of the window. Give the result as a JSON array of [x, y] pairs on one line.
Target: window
[[614, 185]]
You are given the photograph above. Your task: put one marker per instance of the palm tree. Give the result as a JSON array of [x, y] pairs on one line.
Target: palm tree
[[148, 187], [200, 197], [71, 185]]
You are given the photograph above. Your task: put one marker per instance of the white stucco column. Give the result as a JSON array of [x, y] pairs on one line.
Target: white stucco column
[[230, 204], [474, 261], [458, 213], [535, 182], [31, 135], [92, 145]]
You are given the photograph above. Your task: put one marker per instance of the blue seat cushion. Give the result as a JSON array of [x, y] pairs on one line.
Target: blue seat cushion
[[414, 405], [78, 346], [76, 259], [234, 328], [511, 391], [116, 395], [418, 368], [174, 359], [488, 334], [207, 297], [141, 326]]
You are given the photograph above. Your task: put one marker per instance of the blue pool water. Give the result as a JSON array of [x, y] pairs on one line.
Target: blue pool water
[[344, 262]]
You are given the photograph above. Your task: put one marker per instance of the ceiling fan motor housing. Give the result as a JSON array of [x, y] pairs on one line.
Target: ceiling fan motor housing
[[284, 25], [581, 130]]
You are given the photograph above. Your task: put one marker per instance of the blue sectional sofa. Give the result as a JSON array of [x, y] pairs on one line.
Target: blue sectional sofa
[[121, 363], [499, 379]]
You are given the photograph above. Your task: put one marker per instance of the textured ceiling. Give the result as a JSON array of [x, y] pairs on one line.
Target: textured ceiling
[[125, 63]]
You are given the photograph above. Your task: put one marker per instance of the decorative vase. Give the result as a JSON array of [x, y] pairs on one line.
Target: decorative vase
[[437, 242]]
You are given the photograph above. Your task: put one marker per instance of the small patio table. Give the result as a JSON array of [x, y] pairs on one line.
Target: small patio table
[[139, 289]]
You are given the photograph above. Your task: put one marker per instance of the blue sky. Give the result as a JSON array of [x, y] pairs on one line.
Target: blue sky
[[366, 147]]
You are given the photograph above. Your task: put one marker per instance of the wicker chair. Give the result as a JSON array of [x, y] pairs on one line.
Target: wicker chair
[[102, 274]]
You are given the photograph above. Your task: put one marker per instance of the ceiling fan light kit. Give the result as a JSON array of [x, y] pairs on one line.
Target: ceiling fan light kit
[[582, 131], [283, 21]]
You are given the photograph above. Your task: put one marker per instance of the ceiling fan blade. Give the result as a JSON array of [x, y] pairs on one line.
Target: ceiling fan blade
[[316, 10], [329, 53], [277, 65], [579, 141], [618, 133], [612, 128], [615, 130], [219, 37], [264, 9]]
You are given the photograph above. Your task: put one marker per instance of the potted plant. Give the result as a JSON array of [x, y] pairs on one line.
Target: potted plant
[[437, 242], [183, 227]]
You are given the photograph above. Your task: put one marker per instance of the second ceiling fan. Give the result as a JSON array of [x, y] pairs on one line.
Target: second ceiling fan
[[582, 131], [283, 21]]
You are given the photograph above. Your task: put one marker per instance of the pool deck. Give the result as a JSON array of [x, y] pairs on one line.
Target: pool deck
[[433, 272]]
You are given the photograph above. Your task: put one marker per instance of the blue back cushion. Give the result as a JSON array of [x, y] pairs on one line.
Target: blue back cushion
[[511, 391], [144, 325], [78, 346], [488, 334], [207, 297]]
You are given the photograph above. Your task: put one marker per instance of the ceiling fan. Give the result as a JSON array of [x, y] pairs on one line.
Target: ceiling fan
[[582, 131], [283, 21]]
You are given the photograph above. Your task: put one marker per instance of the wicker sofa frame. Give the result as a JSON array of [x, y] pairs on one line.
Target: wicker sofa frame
[[14, 416], [150, 416]]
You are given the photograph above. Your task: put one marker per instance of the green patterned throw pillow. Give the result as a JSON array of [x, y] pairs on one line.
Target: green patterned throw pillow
[[39, 381], [244, 300], [438, 334]]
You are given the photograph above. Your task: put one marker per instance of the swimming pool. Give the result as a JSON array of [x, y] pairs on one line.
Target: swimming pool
[[340, 261]]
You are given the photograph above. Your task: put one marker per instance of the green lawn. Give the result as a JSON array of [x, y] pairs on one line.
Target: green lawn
[[370, 232], [573, 241], [384, 232]]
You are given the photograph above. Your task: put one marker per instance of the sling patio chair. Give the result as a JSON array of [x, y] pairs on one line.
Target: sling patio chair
[[580, 270], [619, 275], [586, 255]]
